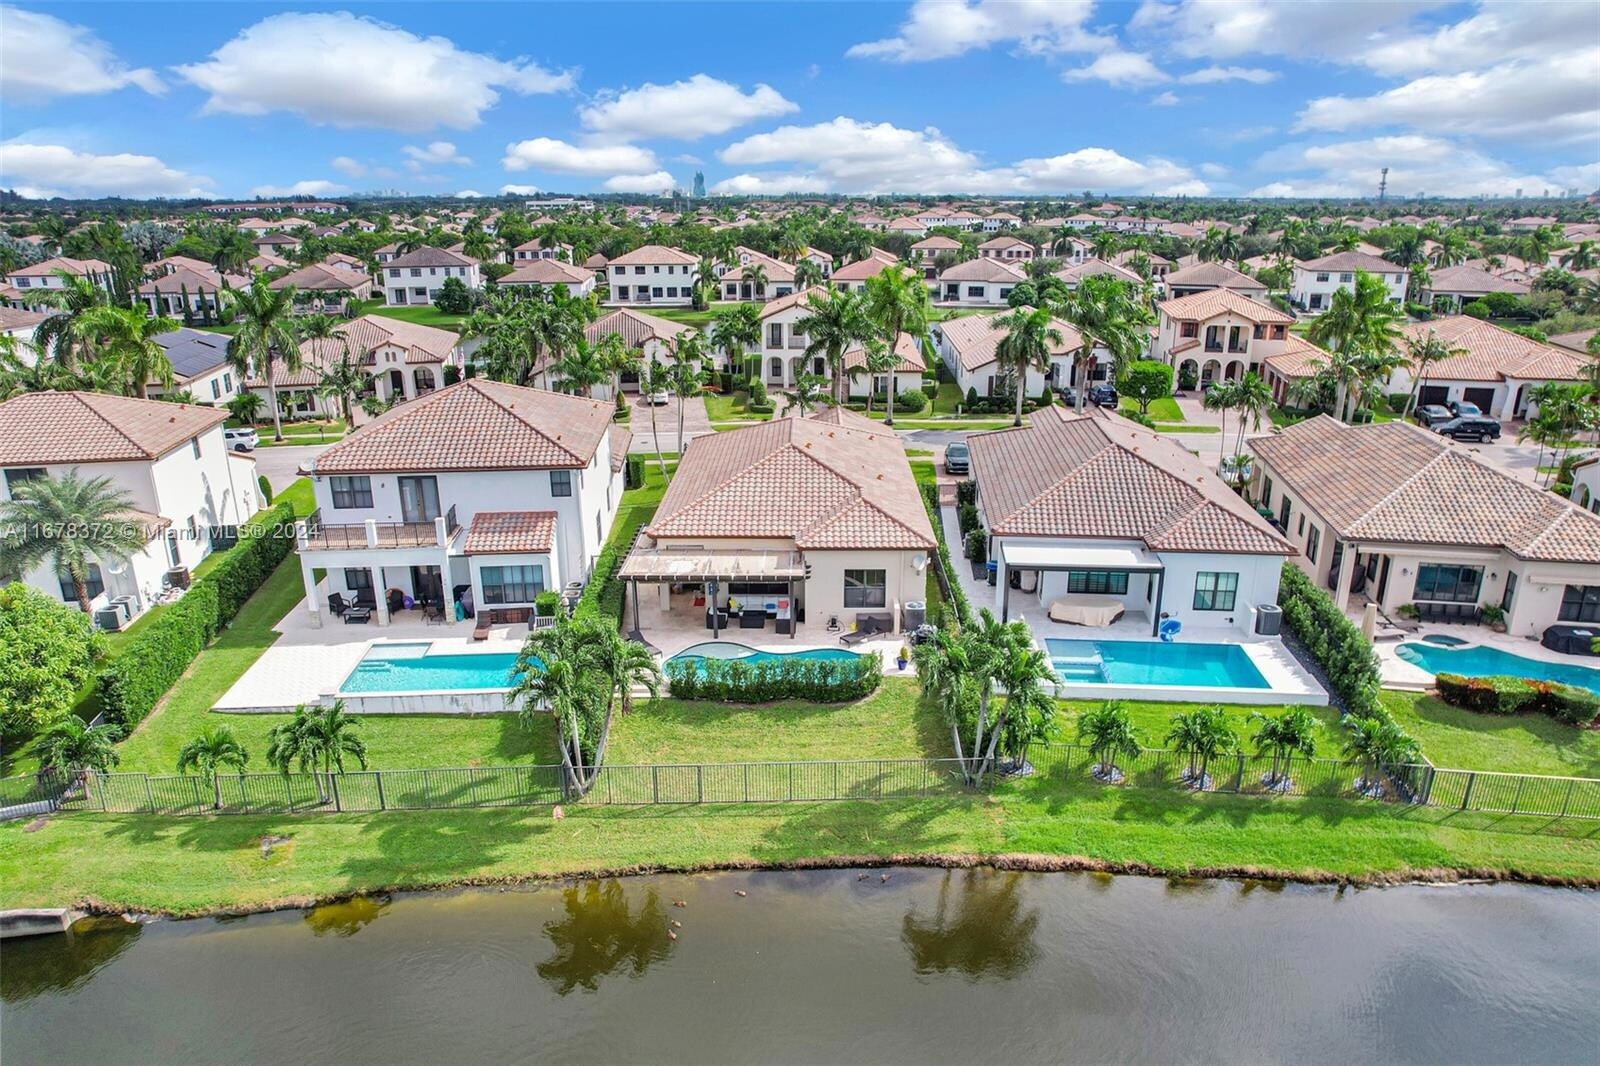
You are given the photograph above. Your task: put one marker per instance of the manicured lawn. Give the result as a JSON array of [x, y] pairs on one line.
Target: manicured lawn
[[725, 409], [422, 316], [1524, 743], [301, 495], [950, 395], [688, 316], [1153, 720], [924, 470], [1162, 409], [1186, 427], [302, 433]]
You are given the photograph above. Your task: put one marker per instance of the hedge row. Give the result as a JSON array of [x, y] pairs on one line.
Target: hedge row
[[791, 677], [1516, 695], [1333, 640], [958, 595], [132, 684], [603, 595]]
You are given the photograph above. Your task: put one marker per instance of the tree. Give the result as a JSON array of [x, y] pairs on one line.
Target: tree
[[1253, 399], [685, 353], [808, 393], [453, 297], [47, 652], [1201, 734], [74, 522], [1292, 733], [1377, 743], [735, 332], [344, 380], [1145, 380], [245, 407], [1104, 243], [1108, 732], [837, 322], [1107, 314], [580, 370], [317, 740], [59, 334], [126, 338], [1582, 256], [1359, 322], [755, 276], [897, 302], [1031, 336], [72, 744], [807, 272], [1424, 352], [233, 252], [1222, 396], [215, 748], [264, 315], [653, 380]]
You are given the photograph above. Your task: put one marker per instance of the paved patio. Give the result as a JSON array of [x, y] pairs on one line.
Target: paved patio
[[1408, 677]]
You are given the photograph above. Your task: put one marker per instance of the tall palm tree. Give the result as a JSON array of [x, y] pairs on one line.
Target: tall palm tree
[[1222, 396], [554, 328], [18, 376], [581, 369], [735, 332], [1422, 353], [685, 354], [1031, 335], [615, 355], [1104, 244], [1582, 256], [59, 334], [897, 302], [215, 748], [1109, 314], [264, 316], [755, 276], [72, 744], [1107, 731], [807, 272], [572, 672], [318, 740], [653, 379], [625, 665], [72, 521], [126, 338], [233, 252], [1292, 733], [1254, 400], [1202, 734], [837, 322], [1359, 320], [345, 380]]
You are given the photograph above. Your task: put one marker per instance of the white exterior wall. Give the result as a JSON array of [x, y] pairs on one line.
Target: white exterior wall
[[417, 286], [1307, 285], [664, 284], [1169, 336], [1586, 486], [976, 293]]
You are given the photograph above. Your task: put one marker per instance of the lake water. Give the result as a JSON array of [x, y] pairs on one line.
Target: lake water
[[931, 966]]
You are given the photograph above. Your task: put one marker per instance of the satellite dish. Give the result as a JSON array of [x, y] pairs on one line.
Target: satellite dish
[[919, 560], [116, 567]]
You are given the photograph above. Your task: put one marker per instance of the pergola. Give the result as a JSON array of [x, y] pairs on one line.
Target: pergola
[[1097, 559], [708, 567]]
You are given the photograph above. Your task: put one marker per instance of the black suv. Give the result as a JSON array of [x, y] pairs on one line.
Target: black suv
[[1431, 414], [1475, 429], [1103, 395]]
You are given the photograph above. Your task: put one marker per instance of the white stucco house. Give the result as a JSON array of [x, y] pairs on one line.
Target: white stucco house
[[1219, 333], [978, 283], [548, 273], [28, 283], [1314, 281], [402, 360], [969, 346], [653, 274], [416, 277], [1497, 369]]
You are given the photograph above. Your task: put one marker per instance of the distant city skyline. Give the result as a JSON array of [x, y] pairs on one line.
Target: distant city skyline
[[1187, 97]]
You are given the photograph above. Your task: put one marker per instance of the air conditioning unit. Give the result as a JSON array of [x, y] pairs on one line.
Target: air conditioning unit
[[108, 618], [178, 577], [1269, 620]]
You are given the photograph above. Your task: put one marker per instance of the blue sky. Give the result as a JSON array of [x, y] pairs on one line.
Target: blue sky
[[1166, 96]]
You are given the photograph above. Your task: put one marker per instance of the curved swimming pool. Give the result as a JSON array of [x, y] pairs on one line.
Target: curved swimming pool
[[730, 651], [1478, 660]]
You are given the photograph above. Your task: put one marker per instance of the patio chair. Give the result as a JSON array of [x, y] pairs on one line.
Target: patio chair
[[865, 631], [433, 613], [365, 598], [337, 605]]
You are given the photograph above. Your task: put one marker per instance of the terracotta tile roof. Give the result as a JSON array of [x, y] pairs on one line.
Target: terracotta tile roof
[[12, 318], [318, 278], [1472, 281], [937, 243], [975, 338], [775, 269], [621, 438], [1213, 275], [1396, 482], [1494, 354], [475, 424], [654, 253], [636, 327], [901, 224], [428, 256], [1005, 241], [835, 480], [1352, 261], [423, 345], [78, 267], [1102, 476], [511, 533], [1089, 267], [1577, 340], [799, 299], [547, 272], [1210, 303], [184, 280], [1299, 358], [985, 270], [905, 347], [46, 428], [862, 269]]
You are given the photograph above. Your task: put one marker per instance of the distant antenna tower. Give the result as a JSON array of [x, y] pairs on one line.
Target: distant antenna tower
[[1383, 185]]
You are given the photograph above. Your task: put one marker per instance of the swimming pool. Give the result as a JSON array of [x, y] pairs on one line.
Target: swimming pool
[[1149, 662], [722, 649], [388, 668], [1479, 660]]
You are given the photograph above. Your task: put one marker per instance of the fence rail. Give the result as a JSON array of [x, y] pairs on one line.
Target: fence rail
[[786, 782]]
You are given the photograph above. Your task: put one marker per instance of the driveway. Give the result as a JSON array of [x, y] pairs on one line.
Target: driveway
[[280, 465], [696, 423]]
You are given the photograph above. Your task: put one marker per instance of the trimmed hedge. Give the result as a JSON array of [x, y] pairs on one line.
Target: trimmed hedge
[[1518, 695], [243, 568], [769, 680], [958, 595], [603, 596], [1333, 640], [633, 473]]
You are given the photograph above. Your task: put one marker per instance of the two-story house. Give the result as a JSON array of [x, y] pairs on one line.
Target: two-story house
[[1316, 280], [323, 289], [852, 277], [1218, 334], [549, 273], [200, 366], [757, 277], [414, 279], [1007, 249], [186, 490], [653, 275], [1203, 276], [33, 284], [540, 248], [402, 360], [481, 495], [978, 283]]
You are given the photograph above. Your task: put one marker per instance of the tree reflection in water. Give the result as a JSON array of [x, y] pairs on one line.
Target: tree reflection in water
[[600, 935], [347, 917], [984, 933], [38, 965]]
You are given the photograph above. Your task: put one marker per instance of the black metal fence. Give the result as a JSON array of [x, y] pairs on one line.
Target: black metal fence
[[1052, 766]]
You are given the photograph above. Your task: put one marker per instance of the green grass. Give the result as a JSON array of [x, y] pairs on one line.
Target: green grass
[[725, 409], [688, 316], [1186, 427], [924, 471], [950, 395], [422, 316], [301, 494], [1153, 720], [1524, 743], [1162, 409]]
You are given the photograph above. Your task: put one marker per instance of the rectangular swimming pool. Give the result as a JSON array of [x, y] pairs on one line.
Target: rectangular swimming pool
[[389, 668], [1150, 662]]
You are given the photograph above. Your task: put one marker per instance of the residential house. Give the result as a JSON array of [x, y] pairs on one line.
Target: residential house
[[1316, 280], [1072, 274], [279, 244], [969, 347], [21, 325], [200, 366], [1402, 516], [1203, 276], [1586, 483], [540, 248], [925, 251], [1218, 334], [1498, 369], [823, 260], [402, 360], [549, 273], [1451, 288], [1007, 249], [1000, 220], [197, 288], [807, 525], [978, 283], [1529, 223], [647, 336], [321, 289], [482, 494], [741, 282], [185, 488], [852, 277], [653, 275], [32, 285], [910, 227], [907, 375], [415, 278]]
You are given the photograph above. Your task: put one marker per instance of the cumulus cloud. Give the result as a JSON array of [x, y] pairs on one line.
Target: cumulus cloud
[[549, 154], [941, 29], [1166, 99], [1417, 163], [345, 70], [1208, 75], [520, 190], [309, 187], [1102, 168], [350, 168], [1494, 34], [1225, 29], [470, 194], [769, 184], [45, 170], [43, 57], [658, 181], [1124, 70], [685, 110], [436, 152]]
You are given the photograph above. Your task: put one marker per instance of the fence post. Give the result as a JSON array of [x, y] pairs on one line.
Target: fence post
[[382, 806], [1568, 797], [1466, 796], [1517, 799], [338, 805], [1427, 784], [149, 796], [1238, 777], [655, 784], [427, 791], [244, 800], [747, 782], [699, 782]]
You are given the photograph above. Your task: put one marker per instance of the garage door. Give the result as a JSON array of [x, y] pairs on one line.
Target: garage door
[[1432, 394], [1484, 398]]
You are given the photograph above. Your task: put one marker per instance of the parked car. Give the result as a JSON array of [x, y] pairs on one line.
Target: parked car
[[1431, 414], [956, 458], [1476, 429], [1463, 409], [1069, 395], [243, 439], [659, 398], [1103, 395]]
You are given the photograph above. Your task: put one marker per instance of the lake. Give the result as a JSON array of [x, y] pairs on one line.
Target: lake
[[814, 966]]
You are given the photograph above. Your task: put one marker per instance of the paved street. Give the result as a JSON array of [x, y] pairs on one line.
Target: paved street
[[280, 464], [696, 423]]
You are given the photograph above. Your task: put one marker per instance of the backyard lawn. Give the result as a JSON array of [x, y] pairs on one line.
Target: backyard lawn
[[1523, 743], [1162, 409], [422, 316], [688, 315], [722, 408], [1153, 720]]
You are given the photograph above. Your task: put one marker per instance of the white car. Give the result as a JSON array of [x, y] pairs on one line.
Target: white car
[[243, 439], [659, 398]]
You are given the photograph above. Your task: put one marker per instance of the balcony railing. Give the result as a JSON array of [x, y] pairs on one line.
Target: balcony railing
[[320, 536]]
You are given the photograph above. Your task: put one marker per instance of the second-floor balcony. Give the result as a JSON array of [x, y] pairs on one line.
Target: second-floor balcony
[[317, 535]]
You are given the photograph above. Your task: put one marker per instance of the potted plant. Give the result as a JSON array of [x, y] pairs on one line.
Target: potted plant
[[1494, 616], [902, 657]]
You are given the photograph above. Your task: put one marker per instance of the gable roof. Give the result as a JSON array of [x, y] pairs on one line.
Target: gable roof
[[654, 253], [1090, 267], [1213, 275], [1353, 261], [862, 269], [1210, 303], [905, 346], [547, 272], [78, 267], [1493, 353], [636, 327], [1005, 241], [975, 339], [986, 270], [429, 256], [1395, 482], [831, 481], [791, 301], [938, 242], [475, 424], [319, 278], [50, 428], [1102, 476]]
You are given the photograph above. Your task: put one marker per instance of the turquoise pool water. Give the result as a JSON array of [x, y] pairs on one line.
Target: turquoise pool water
[[410, 668], [722, 649], [1481, 661], [1150, 662]]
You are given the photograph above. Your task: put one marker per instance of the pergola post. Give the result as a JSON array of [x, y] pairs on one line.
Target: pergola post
[[1155, 615]]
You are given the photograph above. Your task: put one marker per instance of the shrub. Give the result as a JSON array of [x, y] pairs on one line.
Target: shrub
[[265, 487], [977, 546], [761, 408], [911, 401], [972, 399], [758, 393], [133, 682], [1333, 640], [1143, 419], [1517, 695], [452, 373], [265, 543], [47, 650], [1188, 378], [790, 677], [453, 298], [1397, 401], [967, 492], [545, 604], [1151, 375], [633, 473], [930, 389], [948, 583], [967, 518]]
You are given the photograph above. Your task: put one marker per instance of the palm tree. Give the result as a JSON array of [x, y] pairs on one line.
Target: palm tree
[[1031, 335], [808, 393], [1292, 733], [126, 337], [1104, 244], [735, 332], [615, 355], [685, 353], [755, 276], [209, 752], [316, 739], [581, 370], [72, 744], [626, 665], [245, 407], [59, 334], [1377, 744], [898, 302], [807, 272], [233, 252], [18, 376], [345, 380], [1422, 353], [838, 322], [1418, 278], [264, 317], [1254, 400], [573, 671], [1202, 734], [1107, 731], [652, 380], [1107, 314], [72, 521], [1359, 320], [878, 358], [1222, 396], [554, 327], [1582, 256]]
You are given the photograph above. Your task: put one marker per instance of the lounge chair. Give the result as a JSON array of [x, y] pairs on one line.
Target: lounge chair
[[865, 631], [481, 630]]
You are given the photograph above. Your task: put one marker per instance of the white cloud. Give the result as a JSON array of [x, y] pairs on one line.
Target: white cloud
[[45, 170], [659, 181], [42, 57], [350, 168], [685, 110], [470, 194], [520, 190], [1102, 168], [343, 70], [1124, 70], [1213, 170], [1549, 99], [1208, 75], [309, 187], [1495, 34], [549, 154], [1166, 99], [1417, 163], [769, 184], [1224, 29], [940, 29], [436, 152]]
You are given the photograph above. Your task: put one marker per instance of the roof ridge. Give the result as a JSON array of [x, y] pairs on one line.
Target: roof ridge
[[742, 472], [859, 498], [83, 401], [479, 389]]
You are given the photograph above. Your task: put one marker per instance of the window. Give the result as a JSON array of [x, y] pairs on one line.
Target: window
[[865, 588], [1266, 492], [512, 584], [1102, 582], [216, 389], [561, 483], [22, 475], [1322, 277], [194, 446], [774, 334], [1345, 279], [351, 492], [416, 272], [23, 283], [69, 591], [1259, 333], [358, 580], [1215, 591], [1448, 584], [1580, 603], [620, 271], [975, 292], [655, 291], [1188, 329], [1313, 539], [638, 270]]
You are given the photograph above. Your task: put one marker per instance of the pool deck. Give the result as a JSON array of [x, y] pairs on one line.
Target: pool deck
[[1409, 677]]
